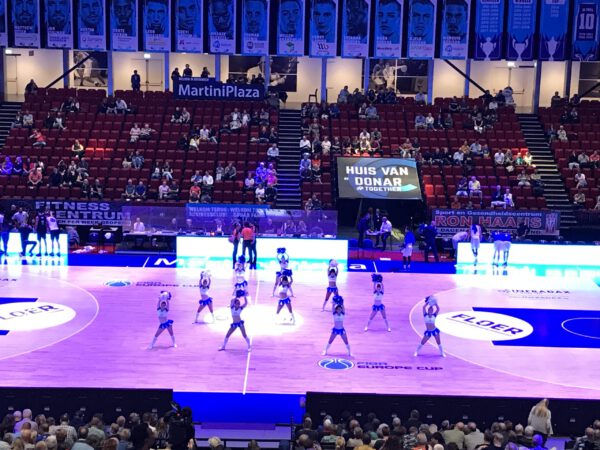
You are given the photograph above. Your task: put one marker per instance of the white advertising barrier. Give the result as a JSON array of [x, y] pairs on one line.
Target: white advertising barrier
[[535, 254], [14, 243]]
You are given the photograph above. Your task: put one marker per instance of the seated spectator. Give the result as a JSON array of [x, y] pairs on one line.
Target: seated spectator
[[305, 165], [536, 182], [18, 167], [579, 199], [219, 171], [28, 119], [343, 95], [580, 180], [458, 158], [498, 198], [245, 119], [167, 171], [129, 192], [134, 133], [146, 132], [462, 188], [194, 193], [561, 134], [326, 146], [111, 105], [230, 172], [508, 199], [390, 96], [137, 161], [83, 166], [207, 180], [597, 207], [55, 179], [140, 191], [430, 121], [263, 135], [478, 124], [270, 194], [334, 111], [315, 168], [122, 107], [77, 149], [174, 190], [371, 112], [70, 105], [261, 173], [260, 193], [86, 189], [523, 178], [235, 124], [176, 116], [163, 190], [7, 166], [584, 160], [527, 158], [273, 153], [420, 98], [509, 158], [475, 148], [96, 189], [448, 121], [420, 122], [474, 187], [197, 177], [59, 122], [362, 111], [316, 146], [315, 128], [456, 203], [271, 178], [263, 117], [39, 140], [336, 146], [573, 160], [186, 117], [273, 136], [573, 116], [18, 120], [249, 183], [305, 145], [595, 160]]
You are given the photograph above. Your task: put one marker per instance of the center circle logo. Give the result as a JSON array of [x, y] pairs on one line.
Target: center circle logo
[[483, 326], [34, 316], [118, 283], [336, 364]]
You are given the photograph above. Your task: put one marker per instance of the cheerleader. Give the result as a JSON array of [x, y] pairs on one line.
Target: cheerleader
[[284, 296], [430, 312], [205, 300], [162, 310], [338, 329], [284, 261], [332, 273], [240, 277], [378, 305], [475, 232], [236, 315]]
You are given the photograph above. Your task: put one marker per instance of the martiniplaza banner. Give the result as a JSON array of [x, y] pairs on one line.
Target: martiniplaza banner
[[421, 28], [3, 25], [355, 28], [290, 27], [221, 26], [585, 30], [59, 23], [255, 27], [188, 26], [454, 41], [91, 19], [157, 25], [521, 29], [554, 22], [123, 25], [489, 26], [541, 223], [210, 89], [323, 28], [388, 28], [384, 178], [26, 23]]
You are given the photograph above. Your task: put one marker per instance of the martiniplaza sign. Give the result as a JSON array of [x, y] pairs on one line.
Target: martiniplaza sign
[[211, 89]]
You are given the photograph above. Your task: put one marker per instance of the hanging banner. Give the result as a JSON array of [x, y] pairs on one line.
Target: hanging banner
[[123, 25], [221, 26], [92, 35], [3, 25], [157, 26], [554, 21], [323, 28], [188, 26], [290, 37], [59, 23], [421, 28], [454, 42], [489, 24], [585, 30], [355, 28], [255, 27], [388, 28], [26, 23], [521, 29]]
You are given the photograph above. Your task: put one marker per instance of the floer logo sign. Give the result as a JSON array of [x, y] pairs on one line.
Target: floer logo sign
[[209, 88], [483, 326], [21, 316]]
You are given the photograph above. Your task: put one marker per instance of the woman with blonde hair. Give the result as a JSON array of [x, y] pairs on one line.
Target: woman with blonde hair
[[540, 419], [340, 443]]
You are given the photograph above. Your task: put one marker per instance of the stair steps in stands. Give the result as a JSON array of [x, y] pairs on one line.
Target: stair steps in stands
[[8, 111], [289, 193]]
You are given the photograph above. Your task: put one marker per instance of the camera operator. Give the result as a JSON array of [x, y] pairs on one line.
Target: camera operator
[[181, 434]]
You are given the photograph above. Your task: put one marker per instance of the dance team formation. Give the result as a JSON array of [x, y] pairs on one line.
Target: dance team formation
[[283, 291]]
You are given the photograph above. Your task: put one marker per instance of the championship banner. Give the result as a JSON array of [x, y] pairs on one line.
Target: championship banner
[[421, 28], [585, 30], [541, 223], [91, 19], [454, 41], [26, 23], [355, 28], [554, 22], [382, 178], [323, 28], [188, 26], [290, 27], [221, 26], [255, 27], [489, 26], [123, 25], [157, 25], [388, 28], [210, 89], [3, 25], [59, 23], [521, 29]]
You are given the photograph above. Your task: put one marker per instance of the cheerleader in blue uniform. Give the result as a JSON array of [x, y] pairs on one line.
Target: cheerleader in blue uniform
[[240, 277], [476, 234], [284, 262], [378, 305], [236, 315], [162, 310], [283, 286], [338, 329], [332, 273], [430, 311], [205, 300]]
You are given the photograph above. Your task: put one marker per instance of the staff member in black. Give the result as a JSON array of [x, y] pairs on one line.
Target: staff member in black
[[25, 230], [41, 229], [235, 240], [429, 234], [362, 227]]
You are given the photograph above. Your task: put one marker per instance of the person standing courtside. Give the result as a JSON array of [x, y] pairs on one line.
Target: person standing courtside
[[248, 242], [235, 240], [429, 234]]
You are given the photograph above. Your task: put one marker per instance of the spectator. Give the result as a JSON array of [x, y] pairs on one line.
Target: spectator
[[136, 81], [86, 188], [187, 71], [475, 187], [55, 179], [31, 87], [77, 149], [140, 191], [448, 121], [315, 128], [573, 160], [176, 116], [561, 134], [580, 180], [175, 75], [475, 148], [185, 115], [540, 418], [498, 198], [129, 192], [305, 145], [458, 158], [122, 107], [146, 132], [7, 166], [194, 193], [207, 180], [343, 95], [420, 122], [35, 178], [595, 160], [523, 178], [527, 158], [430, 121], [230, 172], [156, 174], [305, 167], [163, 190], [137, 161], [273, 153], [167, 171], [455, 435], [597, 206], [260, 193], [579, 199], [273, 136], [508, 199], [499, 158], [39, 140], [134, 133], [18, 167], [197, 177], [219, 171], [96, 190], [420, 98], [205, 73], [28, 119], [249, 183], [18, 121], [584, 160], [371, 112]]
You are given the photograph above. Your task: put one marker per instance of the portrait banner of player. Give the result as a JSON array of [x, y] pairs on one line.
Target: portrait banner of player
[[59, 23], [91, 19], [123, 25], [489, 28], [255, 27], [521, 29], [3, 25], [454, 42], [157, 25], [26, 23], [388, 28], [585, 30], [221, 26], [554, 22], [355, 28], [421, 28], [323, 28], [188, 26], [290, 27]]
